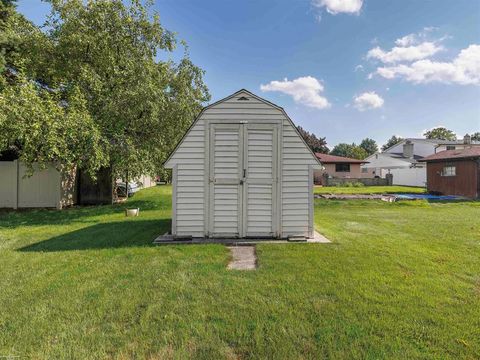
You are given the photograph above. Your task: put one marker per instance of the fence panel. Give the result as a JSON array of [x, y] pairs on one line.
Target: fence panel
[[8, 184]]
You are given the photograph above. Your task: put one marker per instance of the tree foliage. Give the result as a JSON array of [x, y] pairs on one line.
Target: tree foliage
[[100, 61], [349, 150], [7, 38], [475, 136], [38, 124], [40, 128], [369, 145], [440, 133], [392, 141], [316, 144]]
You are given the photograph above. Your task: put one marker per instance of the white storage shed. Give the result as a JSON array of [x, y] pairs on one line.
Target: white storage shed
[[242, 170]]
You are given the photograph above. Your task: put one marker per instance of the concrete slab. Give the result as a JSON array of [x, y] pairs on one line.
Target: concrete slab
[[243, 258], [318, 238], [168, 239]]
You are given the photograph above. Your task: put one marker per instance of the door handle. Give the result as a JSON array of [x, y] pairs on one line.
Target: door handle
[[242, 180]]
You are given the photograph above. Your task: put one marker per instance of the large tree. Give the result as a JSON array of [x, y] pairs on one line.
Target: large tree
[[142, 105], [440, 133], [316, 144], [108, 53], [369, 145], [394, 140], [349, 150]]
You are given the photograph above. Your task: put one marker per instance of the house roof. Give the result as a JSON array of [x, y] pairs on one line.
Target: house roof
[[436, 142], [390, 161], [332, 159], [401, 156], [472, 152]]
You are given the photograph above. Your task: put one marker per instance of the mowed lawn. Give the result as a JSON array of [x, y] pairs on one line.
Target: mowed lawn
[[400, 280], [395, 189]]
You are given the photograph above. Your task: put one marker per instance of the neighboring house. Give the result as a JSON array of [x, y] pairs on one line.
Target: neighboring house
[[242, 170], [337, 167], [402, 159], [467, 142], [454, 172]]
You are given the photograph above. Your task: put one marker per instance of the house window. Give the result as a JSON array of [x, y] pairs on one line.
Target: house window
[[342, 167], [364, 170], [449, 170], [450, 147]]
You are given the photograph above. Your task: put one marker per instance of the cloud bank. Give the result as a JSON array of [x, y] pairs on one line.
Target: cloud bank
[[405, 53], [464, 69], [411, 60]]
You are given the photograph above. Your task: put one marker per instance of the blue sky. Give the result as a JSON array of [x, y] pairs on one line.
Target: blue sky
[[344, 69]]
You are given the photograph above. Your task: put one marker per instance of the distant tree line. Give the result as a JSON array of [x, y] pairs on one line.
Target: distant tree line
[[369, 146]]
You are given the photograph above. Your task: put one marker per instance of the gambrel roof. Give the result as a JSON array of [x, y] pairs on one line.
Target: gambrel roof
[[246, 94]]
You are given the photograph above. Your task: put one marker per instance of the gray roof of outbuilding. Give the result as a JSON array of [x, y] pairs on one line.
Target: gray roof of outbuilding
[[473, 152]]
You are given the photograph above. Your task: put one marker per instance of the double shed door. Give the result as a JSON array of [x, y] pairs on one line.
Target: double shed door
[[243, 180]]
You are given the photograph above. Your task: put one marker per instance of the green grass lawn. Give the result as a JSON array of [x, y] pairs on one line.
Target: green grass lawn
[[395, 189], [400, 280]]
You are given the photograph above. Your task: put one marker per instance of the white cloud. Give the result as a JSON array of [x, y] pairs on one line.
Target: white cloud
[[405, 53], [430, 28], [339, 6], [305, 90], [410, 47], [359, 68], [463, 69], [407, 40], [413, 39], [367, 101]]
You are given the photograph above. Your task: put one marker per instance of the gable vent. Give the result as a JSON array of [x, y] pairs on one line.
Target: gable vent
[[243, 98]]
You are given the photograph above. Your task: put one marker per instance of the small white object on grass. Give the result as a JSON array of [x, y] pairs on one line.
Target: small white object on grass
[[132, 212]]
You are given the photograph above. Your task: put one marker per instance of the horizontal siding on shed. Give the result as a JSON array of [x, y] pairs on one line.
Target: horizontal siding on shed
[[190, 194], [296, 159]]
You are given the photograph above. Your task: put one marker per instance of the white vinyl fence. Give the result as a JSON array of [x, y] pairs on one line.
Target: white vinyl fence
[[45, 188]]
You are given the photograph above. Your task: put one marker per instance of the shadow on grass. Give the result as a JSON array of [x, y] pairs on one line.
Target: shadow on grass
[[133, 233], [33, 217]]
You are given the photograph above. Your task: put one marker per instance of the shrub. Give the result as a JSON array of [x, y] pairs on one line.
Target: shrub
[[358, 184], [348, 184]]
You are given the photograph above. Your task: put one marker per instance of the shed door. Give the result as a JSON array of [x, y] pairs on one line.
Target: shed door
[[243, 180], [226, 171], [260, 185]]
